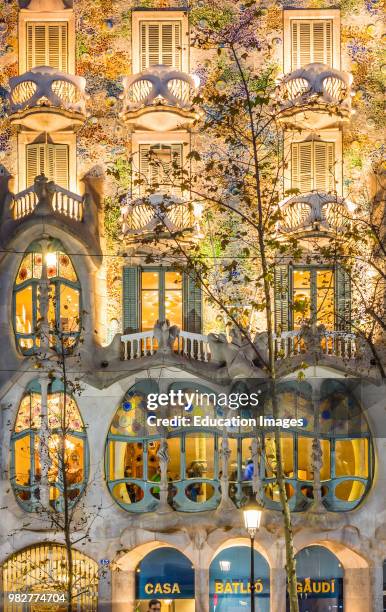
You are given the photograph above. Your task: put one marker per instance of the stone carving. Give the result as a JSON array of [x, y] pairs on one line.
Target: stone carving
[[256, 450], [145, 215], [238, 353], [164, 459], [165, 334], [158, 85], [225, 453], [46, 86], [316, 84]]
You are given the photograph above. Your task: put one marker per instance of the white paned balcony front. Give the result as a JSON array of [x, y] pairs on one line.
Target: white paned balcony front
[[160, 99], [45, 99]]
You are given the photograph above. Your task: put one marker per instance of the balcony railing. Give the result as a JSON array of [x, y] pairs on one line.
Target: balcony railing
[[158, 213], [197, 347], [315, 88], [57, 97], [187, 344], [47, 197], [315, 210], [161, 90]]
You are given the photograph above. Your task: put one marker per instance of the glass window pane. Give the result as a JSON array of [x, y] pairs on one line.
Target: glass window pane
[[301, 296], [305, 471], [149, 309], [66, 269], [69, 309], [25, 270], [173, 280], [150, 280], [126, 460], [23, 460], [199, 456], [351, 457], [325, 298], [350, 490], [173, 307], [287, 452], [24, 311], [174, 466]]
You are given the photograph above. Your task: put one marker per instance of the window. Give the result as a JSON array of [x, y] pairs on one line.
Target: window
[[311, 42], [313, 296], [161, 297], [160, 43], [194, 469], [312, 166], [42, 569], [27, 454], [159, 168], [47, 45], [151, 294], [64, 298], [50, 160]]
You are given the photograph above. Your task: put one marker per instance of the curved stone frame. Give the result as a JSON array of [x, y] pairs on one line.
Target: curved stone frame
[[32, 505], [240, 490], [57, 282]]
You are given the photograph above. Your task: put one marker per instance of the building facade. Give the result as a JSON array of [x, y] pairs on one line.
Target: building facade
[[93, 94]]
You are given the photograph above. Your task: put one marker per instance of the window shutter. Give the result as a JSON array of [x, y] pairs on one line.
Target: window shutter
[[48, 159], [281, 297], [158, 173], [311, 42], [323, 166], [160, 44], [192, 304], [343, 299], [301, 166], [130, 299], [47, 45]]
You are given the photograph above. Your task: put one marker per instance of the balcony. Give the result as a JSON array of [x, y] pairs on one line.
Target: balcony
[[44, 198], [315, 211], [159, 215], [316, 96], [159, 99], [44, 99]]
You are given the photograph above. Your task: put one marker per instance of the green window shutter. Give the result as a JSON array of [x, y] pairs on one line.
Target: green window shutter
[[192, 298], [343, 299], [130, 299], [281, 297]]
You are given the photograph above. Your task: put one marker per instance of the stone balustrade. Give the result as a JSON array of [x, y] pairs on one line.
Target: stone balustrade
[[335, 343], [159, 98], [315, 210], [44, 197], [315, 88], [187, 344], [44, 98]]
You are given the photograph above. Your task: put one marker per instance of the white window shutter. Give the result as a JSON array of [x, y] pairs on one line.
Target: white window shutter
[[301, 166], [50, 160], [312, 166], [160, 44], [47, 45], [311, 42], [159, 173], [324, 166]]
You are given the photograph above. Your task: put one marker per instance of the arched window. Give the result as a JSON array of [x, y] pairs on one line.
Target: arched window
[[43, 568], [68, 469], [64, 307], [194, 469]]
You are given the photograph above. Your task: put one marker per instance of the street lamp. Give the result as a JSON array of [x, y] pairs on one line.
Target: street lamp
[[252, 518]]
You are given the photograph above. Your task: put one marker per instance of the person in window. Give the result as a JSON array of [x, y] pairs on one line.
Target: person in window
[[154, 605], [248, 472]]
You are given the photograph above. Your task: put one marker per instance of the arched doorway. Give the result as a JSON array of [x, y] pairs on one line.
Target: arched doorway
[[229, 584], [320, 580], [165, 575], [35, 579]]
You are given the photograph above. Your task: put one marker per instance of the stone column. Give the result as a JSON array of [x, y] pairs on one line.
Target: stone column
[[201, 587], [376, 585], [123, 590], [278, 589], [44, 454], [104, 591], [356, 589]]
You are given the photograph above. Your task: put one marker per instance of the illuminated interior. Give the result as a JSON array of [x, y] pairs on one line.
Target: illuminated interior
[[161, 297], [64, 298], [194, 468], [64, 425], [43, 569], [313, 296]]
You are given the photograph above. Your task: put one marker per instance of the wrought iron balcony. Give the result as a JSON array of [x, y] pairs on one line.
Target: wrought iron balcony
[[315, 211], [314, 96], [45, 99], [158, 214], [45, 197], [159, 98]]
